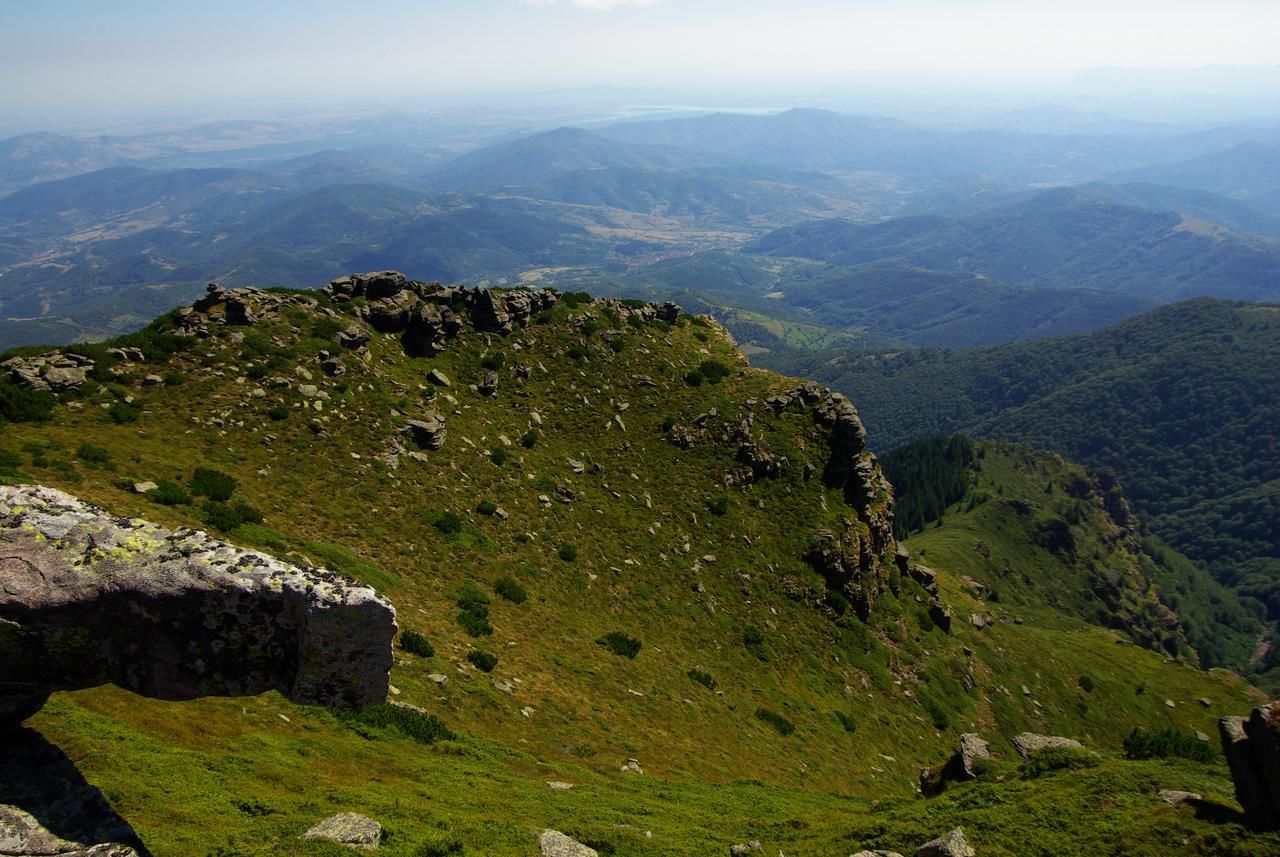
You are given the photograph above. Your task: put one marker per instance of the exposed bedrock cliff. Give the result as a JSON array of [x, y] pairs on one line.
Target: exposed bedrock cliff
[[89, 599], [1252, 747]]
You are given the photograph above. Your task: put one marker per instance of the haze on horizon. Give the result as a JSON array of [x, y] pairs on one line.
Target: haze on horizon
[[75, 59]]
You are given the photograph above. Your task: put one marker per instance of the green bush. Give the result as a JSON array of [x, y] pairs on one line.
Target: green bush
[[510, 590], [422, 728], [416, 644], [226, 518], [529, 439], [1051, 760], [483, 661], [577, 351], [475, 623], [18, 405], [214, 484], [124, 412], [719, 506], [703, 678], [567, 552], [91, 454], [714, 371], [850, 725], [668, 423], [447, 523], [575, 299], [783, 726], [494, 361], [278, 412], [838, 602], [473, 605], [439, 845], [173, 379], [1141, 744], [693, 378], [1086, 683], [487, 507], [620, 644], [753, 639], [169, 494], [498, 456]]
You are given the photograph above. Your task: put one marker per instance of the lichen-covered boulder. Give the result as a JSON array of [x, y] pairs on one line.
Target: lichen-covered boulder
[[348, 828], [21, 834], [88, 599], [553, 843]]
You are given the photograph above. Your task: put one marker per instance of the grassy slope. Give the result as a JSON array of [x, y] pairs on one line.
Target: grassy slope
[[190, 777]]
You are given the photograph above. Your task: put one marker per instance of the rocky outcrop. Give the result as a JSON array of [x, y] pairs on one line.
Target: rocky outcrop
[[88, 599], [428, 432], [553, 843], [53, 372], [1029, 743], [23, 836], [952, 844], [1252, 747], [348, 828]]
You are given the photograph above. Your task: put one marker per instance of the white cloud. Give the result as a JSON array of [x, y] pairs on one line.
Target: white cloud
[[599, 5]]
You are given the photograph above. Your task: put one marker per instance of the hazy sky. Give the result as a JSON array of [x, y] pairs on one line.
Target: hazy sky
[[101, 56]]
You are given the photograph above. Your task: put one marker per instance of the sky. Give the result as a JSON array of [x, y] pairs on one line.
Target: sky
[[75, 56]]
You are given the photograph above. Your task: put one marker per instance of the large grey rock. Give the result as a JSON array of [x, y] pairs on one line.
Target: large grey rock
[[88, 599], [752, 847], [23, 836], [348, 828], [972, 749], [1028, 743], [952, 844], [553, 843], [428, 432], [51, 372], [1252, 747], [876, 854]]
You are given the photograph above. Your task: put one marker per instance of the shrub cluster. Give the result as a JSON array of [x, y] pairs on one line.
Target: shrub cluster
[[510, 590], [483, 661], [416, 644], [777, 721], [703, 678], [423, 728], [1141, 744], [473, 607], [620, 644]]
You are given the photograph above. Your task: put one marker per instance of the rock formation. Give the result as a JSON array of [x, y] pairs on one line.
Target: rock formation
[[1252, 747], [52, 372], [87, 599]]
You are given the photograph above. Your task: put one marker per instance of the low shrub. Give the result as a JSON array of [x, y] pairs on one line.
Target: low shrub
[[422, 728], [447, 523], [1052, 760], [850, 725], [121, 413], [278, 412], [416, 644], [529, 439], [483, 661], [693, 378], [498, 456], [487, 507], [620, 644], [714, 371], [214, 484], [19, 405], [1086, 683], [91, 454], [567, 552], [226, 518], [703, 678], [439, 845], [753, 639], [1141, 744], [169, 493], [510, 590], [783, 726], [719, 506]]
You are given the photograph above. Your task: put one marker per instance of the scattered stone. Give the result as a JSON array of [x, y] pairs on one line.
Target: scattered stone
[[308, 391], [348, 828], [438, 678], [1252, 747], [488, 385], [1206, 702], [553, 843], [876, 854], [556, 785], [152, 380], [952, 844], [981, 620], [333, 367], [53, 371], [1174, 797], [89, 599], [1028, 743], [752, 847], [1170, 703], [435, 376], [144, 487], [1200, 736], [633, 765]]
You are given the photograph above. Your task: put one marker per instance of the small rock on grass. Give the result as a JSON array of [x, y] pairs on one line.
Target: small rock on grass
[[553, 843], [348, 828]]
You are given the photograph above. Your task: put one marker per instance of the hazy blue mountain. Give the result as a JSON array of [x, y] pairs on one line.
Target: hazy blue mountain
[[1245, 171], [1057, 239], [1202, 204], [526, 161], [30, 158]]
